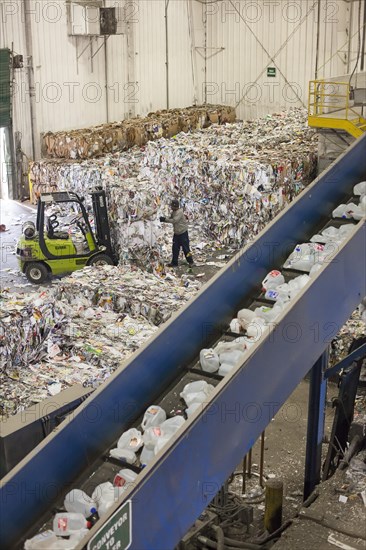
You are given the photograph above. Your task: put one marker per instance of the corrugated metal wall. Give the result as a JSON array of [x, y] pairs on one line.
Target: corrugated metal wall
[[217, 52], [12, 36], [245, 38]]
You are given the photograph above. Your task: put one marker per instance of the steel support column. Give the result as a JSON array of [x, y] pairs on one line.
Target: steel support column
[[316, 413]]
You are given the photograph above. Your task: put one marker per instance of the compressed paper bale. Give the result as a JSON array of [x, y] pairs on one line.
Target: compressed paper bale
[[95, 141]]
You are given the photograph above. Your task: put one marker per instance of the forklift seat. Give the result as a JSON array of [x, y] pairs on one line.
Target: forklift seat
[[52, 223]]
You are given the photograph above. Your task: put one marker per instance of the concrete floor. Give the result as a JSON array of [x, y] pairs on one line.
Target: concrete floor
[[12, 214]]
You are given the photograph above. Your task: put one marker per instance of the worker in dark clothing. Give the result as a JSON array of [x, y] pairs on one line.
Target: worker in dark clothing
[[181, 238]]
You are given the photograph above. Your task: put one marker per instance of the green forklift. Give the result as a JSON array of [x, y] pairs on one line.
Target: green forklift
[[42, 250]]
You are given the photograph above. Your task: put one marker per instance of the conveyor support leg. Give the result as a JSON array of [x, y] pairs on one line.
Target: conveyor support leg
[[316, 412]]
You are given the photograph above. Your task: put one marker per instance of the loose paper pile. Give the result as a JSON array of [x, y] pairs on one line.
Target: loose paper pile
[[80, 330]]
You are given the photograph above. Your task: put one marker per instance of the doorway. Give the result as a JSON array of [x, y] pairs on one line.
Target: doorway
[[4, 179]]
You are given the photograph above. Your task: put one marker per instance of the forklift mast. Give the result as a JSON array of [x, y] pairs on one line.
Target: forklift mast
[[103, 234]]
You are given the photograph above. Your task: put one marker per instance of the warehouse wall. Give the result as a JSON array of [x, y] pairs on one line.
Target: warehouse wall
[[217, 52], [12, 36], [246, 37], [81, 81]]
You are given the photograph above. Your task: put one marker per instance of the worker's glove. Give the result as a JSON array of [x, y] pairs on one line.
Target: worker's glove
[[162, 219]]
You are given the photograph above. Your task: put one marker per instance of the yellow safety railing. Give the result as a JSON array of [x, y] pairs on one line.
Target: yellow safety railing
[[330, 106]]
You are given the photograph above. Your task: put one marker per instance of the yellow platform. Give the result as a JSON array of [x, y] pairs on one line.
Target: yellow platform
[[330, 106]]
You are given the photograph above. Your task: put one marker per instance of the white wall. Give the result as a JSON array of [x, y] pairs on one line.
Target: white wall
[[75, 86], [219, 52], [246, 37]]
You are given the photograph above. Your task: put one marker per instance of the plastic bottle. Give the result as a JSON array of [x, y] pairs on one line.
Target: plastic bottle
[[196, 392], [209, 360], [232, 357], [235, 325], [153, 416], [225, 368], [314, 270], [43, 540], [245, 341], [123, 454], [104, 495], [66, 523], [192, 408], [79, 502], [273, 279], [131, 440], [238, 344], [78, 536], [267, 313], [63, 544], [297, 284], [124, 477], [303, 256], [161, 443], [346, 211], [245, 317], [152, 436], [360, 188], [256, 328], [147, 455], [105, 489], [172, 425]]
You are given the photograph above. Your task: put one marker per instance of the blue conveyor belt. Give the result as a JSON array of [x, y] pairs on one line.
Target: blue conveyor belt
[[173, 491]]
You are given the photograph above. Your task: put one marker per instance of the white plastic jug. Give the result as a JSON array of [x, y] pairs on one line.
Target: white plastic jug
[[103, 490], [105, 496], [360, 188], [268, 314], [153, 416], [245, 341], [124, 478], [297, 284], [256, 329], [147, 455], [346, 211], [64, 544], [192, 408], [123, 454], [78, 536], [131, 440], [172, 425], [209, 360], [314, 270], [225, 368], [196, 392], [235, 325], [152, 436], [238, 344], [304, 256], [273, 279], [231, 357], [79, 502], [66, 523], [43, 540], [245, 317], [161, 443]]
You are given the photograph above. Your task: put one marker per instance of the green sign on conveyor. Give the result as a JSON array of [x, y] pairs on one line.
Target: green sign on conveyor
[[116, 533]]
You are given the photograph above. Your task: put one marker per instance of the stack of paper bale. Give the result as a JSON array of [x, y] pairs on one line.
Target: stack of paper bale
[[119, 136], [231, 180]]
